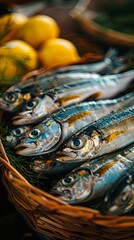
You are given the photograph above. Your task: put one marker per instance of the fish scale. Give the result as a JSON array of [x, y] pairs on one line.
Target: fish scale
[[109, 133], [65, 123], [68, 94], [94, 178]]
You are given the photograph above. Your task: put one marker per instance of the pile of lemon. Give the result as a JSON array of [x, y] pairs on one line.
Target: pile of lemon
[[27, 44]]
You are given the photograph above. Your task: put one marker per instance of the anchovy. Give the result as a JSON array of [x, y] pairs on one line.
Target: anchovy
[[67, 94], [120, 198], [48, 135], [107, 134], [14, 97], [92, 180]]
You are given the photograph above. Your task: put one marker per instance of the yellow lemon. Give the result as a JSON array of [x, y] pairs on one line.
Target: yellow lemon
[[17, 58], [38, 29], [9, 25], [58, 51]]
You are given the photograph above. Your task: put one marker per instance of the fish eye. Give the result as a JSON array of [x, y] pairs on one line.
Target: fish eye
[[77, 143], [125, 197], [10, 97], [34, 133], [68, 181], [18, 131], [30, 105]]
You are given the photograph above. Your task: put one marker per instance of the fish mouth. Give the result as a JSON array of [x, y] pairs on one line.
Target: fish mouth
[[23, 119], [65, 195], [66, 156], [25, 148]]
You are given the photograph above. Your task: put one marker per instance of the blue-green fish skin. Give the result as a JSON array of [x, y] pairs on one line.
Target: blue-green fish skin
[[48, 135], [93, 179], [65, 95], [119, 200], [108, 134]]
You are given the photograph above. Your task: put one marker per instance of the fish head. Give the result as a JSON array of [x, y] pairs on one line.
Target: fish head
[[34, 110], [41, 139], [79, 147], [120, 199], [11, 100], [76, 187], [13, 137]]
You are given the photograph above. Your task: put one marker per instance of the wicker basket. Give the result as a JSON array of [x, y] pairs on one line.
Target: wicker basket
[[56, 219], [52, 217]]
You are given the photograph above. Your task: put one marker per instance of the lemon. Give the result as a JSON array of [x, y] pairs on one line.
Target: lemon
[[38, 29], [58, 51], [17, 58], [9, 25]]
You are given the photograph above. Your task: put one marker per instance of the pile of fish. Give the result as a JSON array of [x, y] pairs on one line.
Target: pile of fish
[[76, 122]]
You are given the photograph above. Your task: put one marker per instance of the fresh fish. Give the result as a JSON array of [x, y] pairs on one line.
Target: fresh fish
[[93, 179], [107, 134], [15, 96], [48, 135], [67, 94], [120, 198], [13, 137]]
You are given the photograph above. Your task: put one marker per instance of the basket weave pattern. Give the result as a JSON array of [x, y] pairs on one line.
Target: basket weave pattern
[[52, 217]]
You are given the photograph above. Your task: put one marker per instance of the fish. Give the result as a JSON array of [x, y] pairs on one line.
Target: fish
[[93, 179], [119, 199], [48, 135], [15, 96], [68, 94], [108, 134], [14, 135]]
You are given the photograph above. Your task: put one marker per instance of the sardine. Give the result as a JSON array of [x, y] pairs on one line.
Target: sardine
[[120, 198], [107, 134], [18, 94], [15, 134], [92, 180], [48, 135], [67, 94], [14, 98]]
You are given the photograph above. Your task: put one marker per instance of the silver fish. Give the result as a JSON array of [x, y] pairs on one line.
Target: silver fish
[[16, 95], [107, 134], [14, 98], [13, 137], [48, 135], [93, 179], [120, 198], [67, 94]]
